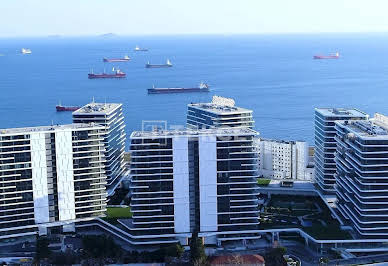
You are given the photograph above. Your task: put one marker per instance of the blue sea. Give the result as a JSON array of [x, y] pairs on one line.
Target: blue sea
[[274, 75]]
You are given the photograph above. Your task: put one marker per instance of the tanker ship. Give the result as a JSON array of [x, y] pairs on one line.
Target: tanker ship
[[203, 87], [62, 108], [117, 73], [167, 64], [125, 59]]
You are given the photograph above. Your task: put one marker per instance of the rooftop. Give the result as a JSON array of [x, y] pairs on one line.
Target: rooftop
[[97, 108], [189, 132], [282, 141], [377, 127], [23, 130], [219, 109], [340, 112]]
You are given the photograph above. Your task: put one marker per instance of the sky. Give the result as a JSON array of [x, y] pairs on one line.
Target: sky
[[19, 18]]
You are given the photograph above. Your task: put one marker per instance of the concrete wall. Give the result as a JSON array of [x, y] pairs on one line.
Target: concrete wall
[[208, 183], [181, 184], [65, 178], [39, 177]]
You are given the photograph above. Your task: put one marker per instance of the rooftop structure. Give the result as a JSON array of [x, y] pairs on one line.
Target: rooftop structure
[[50, 176], [340, 113], [98, 108], [109, 115], [221, 112], [362, 182], [42, 129], [325, 144]]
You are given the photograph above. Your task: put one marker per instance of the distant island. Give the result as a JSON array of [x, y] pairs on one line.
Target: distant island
[[108, 35], [54, 36]]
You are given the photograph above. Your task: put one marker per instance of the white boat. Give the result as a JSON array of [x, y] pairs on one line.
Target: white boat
[[26, 51], [138, 49]]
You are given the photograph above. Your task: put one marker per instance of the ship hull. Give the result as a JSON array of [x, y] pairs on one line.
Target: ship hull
[[115, 60], [325, 57], [61, 108], [157, 66], [106, 76], [176, 90]]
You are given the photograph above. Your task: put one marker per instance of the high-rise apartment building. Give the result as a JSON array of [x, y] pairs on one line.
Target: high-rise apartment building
[[283, 159], [325, 144], [194, 181], [109, 115], [50, 177], [220, 113], [362, 175]]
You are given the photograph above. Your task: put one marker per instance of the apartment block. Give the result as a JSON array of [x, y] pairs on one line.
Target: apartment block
[[50, 177], [220, 113], [109, 115], [189, 181], [283, 159], [325, 144], [362, 175]]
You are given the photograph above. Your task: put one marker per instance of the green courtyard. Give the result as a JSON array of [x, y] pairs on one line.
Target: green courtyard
[[305, 212]]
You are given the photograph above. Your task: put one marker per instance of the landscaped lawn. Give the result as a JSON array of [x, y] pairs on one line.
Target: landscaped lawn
[[117, 212], [282, 210], [263, 181]]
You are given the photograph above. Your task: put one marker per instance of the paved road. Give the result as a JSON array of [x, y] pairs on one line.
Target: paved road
[[361, 260]]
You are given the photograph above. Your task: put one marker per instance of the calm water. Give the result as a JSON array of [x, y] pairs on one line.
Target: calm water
[[272, 74]]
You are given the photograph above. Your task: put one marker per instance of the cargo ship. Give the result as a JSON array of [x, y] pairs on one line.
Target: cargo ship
[[203, 87], [138, 49], [167, 64], [117, 73], [335, 56], [125, 59], [62, 108], [26, 51]]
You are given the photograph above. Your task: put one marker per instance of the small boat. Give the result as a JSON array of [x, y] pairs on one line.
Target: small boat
[[125, 59], [26, 51], [167, 64], [203, 87], [61, 108], [334, 56], [117, 73], [138, 49]]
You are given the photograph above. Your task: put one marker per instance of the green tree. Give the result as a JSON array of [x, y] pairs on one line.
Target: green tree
[[42, 248], [101, 247], [275, 257], [197, 250]]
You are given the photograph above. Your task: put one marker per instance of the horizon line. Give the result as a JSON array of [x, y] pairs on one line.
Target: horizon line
[[113, 35]]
